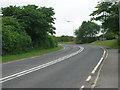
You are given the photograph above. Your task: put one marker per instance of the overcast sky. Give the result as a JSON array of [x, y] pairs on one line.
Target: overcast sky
[[76, 11]]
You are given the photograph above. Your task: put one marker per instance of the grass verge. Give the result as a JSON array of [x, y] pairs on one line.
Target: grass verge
[[109, 43], [29, 54], [66, 42]]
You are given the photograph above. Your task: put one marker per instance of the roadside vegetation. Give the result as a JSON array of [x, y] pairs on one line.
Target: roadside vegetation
[[66, 43], [107, 12], [30, 28], [30, 54], [87, 32], [27, 29], [108, 43], [106, 34], [65, 38]]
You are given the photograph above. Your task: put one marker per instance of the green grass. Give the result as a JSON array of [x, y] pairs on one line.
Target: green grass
[[66, 42], [29, 54], [109, 43]]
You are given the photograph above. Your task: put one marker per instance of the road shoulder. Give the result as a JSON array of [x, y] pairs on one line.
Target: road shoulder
[[109, 73]]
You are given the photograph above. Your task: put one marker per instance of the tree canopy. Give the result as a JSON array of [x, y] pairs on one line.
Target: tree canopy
[[87, 32], [31, 23], [38, 22], [107, 12]]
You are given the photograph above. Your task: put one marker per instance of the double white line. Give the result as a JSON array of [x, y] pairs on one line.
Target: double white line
[[4, 79]]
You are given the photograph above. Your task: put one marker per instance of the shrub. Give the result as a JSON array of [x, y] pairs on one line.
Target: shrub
[[14, 40]]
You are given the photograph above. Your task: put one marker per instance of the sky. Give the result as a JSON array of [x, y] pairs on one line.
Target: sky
[[75, 11]]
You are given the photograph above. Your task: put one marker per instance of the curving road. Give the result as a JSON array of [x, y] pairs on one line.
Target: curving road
[[66, 68]]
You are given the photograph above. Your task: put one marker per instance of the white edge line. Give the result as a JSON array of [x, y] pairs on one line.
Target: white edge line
[[94, 70], [93, 86], [82, 87], [38, 67], [99, 63], [88, 79]]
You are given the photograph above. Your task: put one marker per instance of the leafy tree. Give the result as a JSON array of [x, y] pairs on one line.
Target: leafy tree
[[87, 32], [107, 12], [38, 22], [48, 14], [26, 28]]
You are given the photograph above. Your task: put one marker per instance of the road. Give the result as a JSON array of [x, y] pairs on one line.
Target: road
[[67, 72]]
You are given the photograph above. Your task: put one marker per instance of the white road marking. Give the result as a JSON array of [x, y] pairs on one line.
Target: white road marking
[[4, 79], [82, 87], [93, 86], [99, 63], [96, 67], [88, 79]]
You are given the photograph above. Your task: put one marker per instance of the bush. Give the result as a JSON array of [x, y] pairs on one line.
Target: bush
[[52, 41], [85, 40], [14, 40], [46, 42]]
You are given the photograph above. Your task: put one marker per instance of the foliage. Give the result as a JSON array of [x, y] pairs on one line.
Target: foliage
[[14, 41], [28, 27], [48, 42], [108, 14], [64, 38], [87, 32], [108, 36], [36, 21], [66, 42]]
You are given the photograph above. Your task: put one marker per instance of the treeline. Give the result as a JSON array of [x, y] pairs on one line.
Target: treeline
[[65, 38], [107, 12], [25, 28]]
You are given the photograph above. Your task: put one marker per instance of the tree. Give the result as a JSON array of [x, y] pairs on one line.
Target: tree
[[38, 22], [27, 27], [87, 32], [108, 14]]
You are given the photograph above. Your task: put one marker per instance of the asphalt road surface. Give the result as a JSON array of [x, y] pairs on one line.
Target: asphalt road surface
[[66, 68]]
